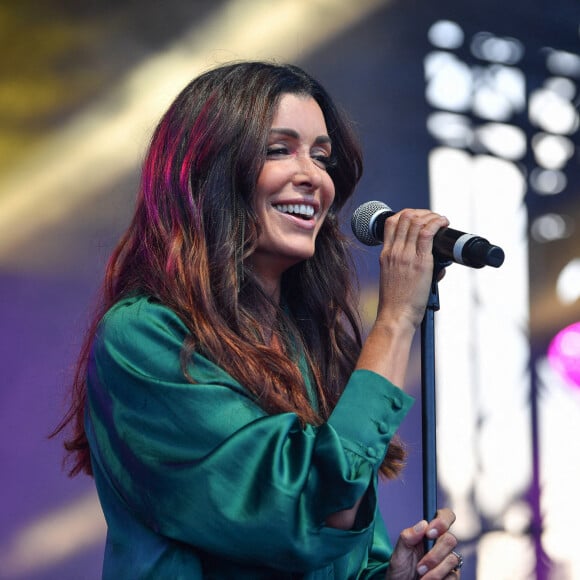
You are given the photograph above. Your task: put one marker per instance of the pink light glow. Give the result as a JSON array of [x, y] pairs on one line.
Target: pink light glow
[[564, 354]]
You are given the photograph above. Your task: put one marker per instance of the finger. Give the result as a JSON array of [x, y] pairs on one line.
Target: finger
[[413, 536], [397, 227], [442, 521], [408, 551], [441, 559], [430, 225], [448, 569], [398, 224], [413, 228], [416, 230]]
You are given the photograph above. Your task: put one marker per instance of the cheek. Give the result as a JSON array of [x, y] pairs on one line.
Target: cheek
[[269, 182], [327, 199], [328, 191]]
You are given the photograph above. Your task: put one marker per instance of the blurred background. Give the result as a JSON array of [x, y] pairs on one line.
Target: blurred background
[[468, 107]]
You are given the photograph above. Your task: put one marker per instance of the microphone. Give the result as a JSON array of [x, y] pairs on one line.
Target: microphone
[[368, 222]]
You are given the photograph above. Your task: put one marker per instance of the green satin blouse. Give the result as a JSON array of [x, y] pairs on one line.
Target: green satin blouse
[[197, 481]]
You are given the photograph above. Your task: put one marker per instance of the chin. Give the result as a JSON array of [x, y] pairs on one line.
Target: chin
[[306, 255]]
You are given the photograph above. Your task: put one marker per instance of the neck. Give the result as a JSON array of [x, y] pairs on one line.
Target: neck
[[269, 277], [271, 285]]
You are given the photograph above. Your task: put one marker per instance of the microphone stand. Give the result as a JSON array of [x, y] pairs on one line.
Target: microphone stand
[[428, 411]]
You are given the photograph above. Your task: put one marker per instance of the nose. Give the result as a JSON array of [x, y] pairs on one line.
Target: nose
[[307, 174]]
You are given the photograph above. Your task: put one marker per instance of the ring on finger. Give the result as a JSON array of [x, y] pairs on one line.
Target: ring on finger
[[459, 560]]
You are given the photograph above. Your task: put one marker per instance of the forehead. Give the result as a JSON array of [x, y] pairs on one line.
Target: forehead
[[299, 112]]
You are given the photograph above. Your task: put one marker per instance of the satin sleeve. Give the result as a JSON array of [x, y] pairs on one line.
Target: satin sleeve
[[204, 465]]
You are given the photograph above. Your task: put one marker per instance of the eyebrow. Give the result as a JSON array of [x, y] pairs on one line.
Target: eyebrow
[[321, 139]]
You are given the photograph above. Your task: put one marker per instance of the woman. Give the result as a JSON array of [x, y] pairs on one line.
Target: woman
[[224, 402]]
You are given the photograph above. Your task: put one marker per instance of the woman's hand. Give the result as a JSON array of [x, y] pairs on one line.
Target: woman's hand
[[440, 563], [407, 265], [405, 282]]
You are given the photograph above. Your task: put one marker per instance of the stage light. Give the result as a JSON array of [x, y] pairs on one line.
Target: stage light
[[564, 63], [492, 48], [553, 113], [552, 151], [446, 34], [499, 92], [564, 354], [503, 140], [561, 86], [568, 284], [451, 129], [548, 181], [550, 227], [449, 82], [559, 469]]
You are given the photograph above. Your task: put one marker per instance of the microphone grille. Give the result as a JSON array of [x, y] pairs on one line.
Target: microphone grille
[[361, 221]]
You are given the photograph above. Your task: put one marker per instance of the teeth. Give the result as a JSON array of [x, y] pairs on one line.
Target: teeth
[[297, 209]]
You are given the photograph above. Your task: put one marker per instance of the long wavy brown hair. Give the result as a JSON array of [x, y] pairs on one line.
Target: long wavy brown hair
[[194, 225]]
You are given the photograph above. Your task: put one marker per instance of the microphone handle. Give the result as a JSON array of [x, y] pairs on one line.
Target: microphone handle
[[467, 249]]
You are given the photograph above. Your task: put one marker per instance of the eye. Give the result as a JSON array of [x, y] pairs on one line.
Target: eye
[[324, 160], [277, 151]]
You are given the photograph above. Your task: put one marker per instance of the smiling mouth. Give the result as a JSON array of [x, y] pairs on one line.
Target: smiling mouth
[[301, 210]]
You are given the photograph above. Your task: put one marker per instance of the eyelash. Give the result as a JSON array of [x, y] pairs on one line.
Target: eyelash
[[324, 161]]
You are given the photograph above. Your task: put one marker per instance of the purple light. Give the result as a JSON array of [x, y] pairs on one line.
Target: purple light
[[564, 354]]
